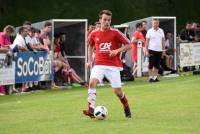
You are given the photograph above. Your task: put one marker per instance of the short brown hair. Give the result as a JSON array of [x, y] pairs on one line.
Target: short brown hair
[[27, 23], [47, 24], [107, 12], [155, 19]]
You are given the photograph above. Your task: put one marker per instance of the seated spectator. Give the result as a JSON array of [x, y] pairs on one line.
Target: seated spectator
[[61, 63], [169, 49]]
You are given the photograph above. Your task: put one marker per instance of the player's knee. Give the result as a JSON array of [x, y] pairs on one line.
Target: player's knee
[[118, 92], [93, 83]]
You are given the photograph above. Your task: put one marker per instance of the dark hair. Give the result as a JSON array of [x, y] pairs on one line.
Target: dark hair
[[155, 19], [47, 24], [107, 12], [97, 22], [57, 35], [21, 29], [33, 29], [27, 23], [144, 21], [138, 25], [37, 30], [188, 22]]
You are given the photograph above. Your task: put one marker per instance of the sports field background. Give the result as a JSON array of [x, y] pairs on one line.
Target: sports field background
[[15, 12], [169, 107]]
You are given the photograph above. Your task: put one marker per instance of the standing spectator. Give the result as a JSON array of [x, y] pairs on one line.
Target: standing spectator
[[187, 33], [45, 36], [5, 36], [97, 24], [19, 45], [27, 24], [90, 29], [169, 49], [32, 41], [144, 28], [5, 45], [137, 38], [126, 32], [195, 30], [154, 47]]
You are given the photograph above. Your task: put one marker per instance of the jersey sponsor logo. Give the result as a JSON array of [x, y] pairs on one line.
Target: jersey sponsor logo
[[105, 47], [97, 39]]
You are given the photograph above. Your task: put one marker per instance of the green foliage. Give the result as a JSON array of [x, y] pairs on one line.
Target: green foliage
[[15, 12]]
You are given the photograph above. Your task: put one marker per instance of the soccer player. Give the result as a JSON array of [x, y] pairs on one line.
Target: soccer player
[[107, 43]]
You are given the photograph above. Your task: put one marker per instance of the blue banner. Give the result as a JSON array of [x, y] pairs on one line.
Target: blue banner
[[33, 66]]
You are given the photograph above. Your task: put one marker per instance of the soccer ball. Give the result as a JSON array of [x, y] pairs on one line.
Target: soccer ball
[[100, 112]]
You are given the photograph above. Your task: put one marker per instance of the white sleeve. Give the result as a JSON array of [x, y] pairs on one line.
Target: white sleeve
[[15, 43], [163, 35], [148, 34], [28, 40], [12, 46]]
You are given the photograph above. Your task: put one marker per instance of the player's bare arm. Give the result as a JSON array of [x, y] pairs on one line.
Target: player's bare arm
[[90, 52], [122, 49], [146, 46]]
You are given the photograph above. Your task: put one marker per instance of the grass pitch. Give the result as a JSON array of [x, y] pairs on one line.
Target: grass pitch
[[171, 106]]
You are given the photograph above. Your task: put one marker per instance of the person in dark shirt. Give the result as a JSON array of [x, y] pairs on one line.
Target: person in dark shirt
[[187, 33]]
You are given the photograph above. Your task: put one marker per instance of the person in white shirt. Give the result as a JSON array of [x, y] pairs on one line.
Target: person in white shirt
[[155, 42], [19, 43], [32, 41]]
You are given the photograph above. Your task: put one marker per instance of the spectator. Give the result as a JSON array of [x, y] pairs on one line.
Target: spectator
[[19, 43], [27, 24], [154, 47], [32, 41], [90, 29], [69, 74], [195, 31], [126, 32], [97, 24], [137, 38], [187, 33], [144, 28], [5, 36], [5, 45], [169, 50], [45, 36]]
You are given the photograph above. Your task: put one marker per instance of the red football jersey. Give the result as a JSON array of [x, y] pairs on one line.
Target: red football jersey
[[104, 42], [137, 35]]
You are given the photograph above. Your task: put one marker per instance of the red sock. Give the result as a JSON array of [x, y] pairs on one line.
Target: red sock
[[124, 101], [64, 76]]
